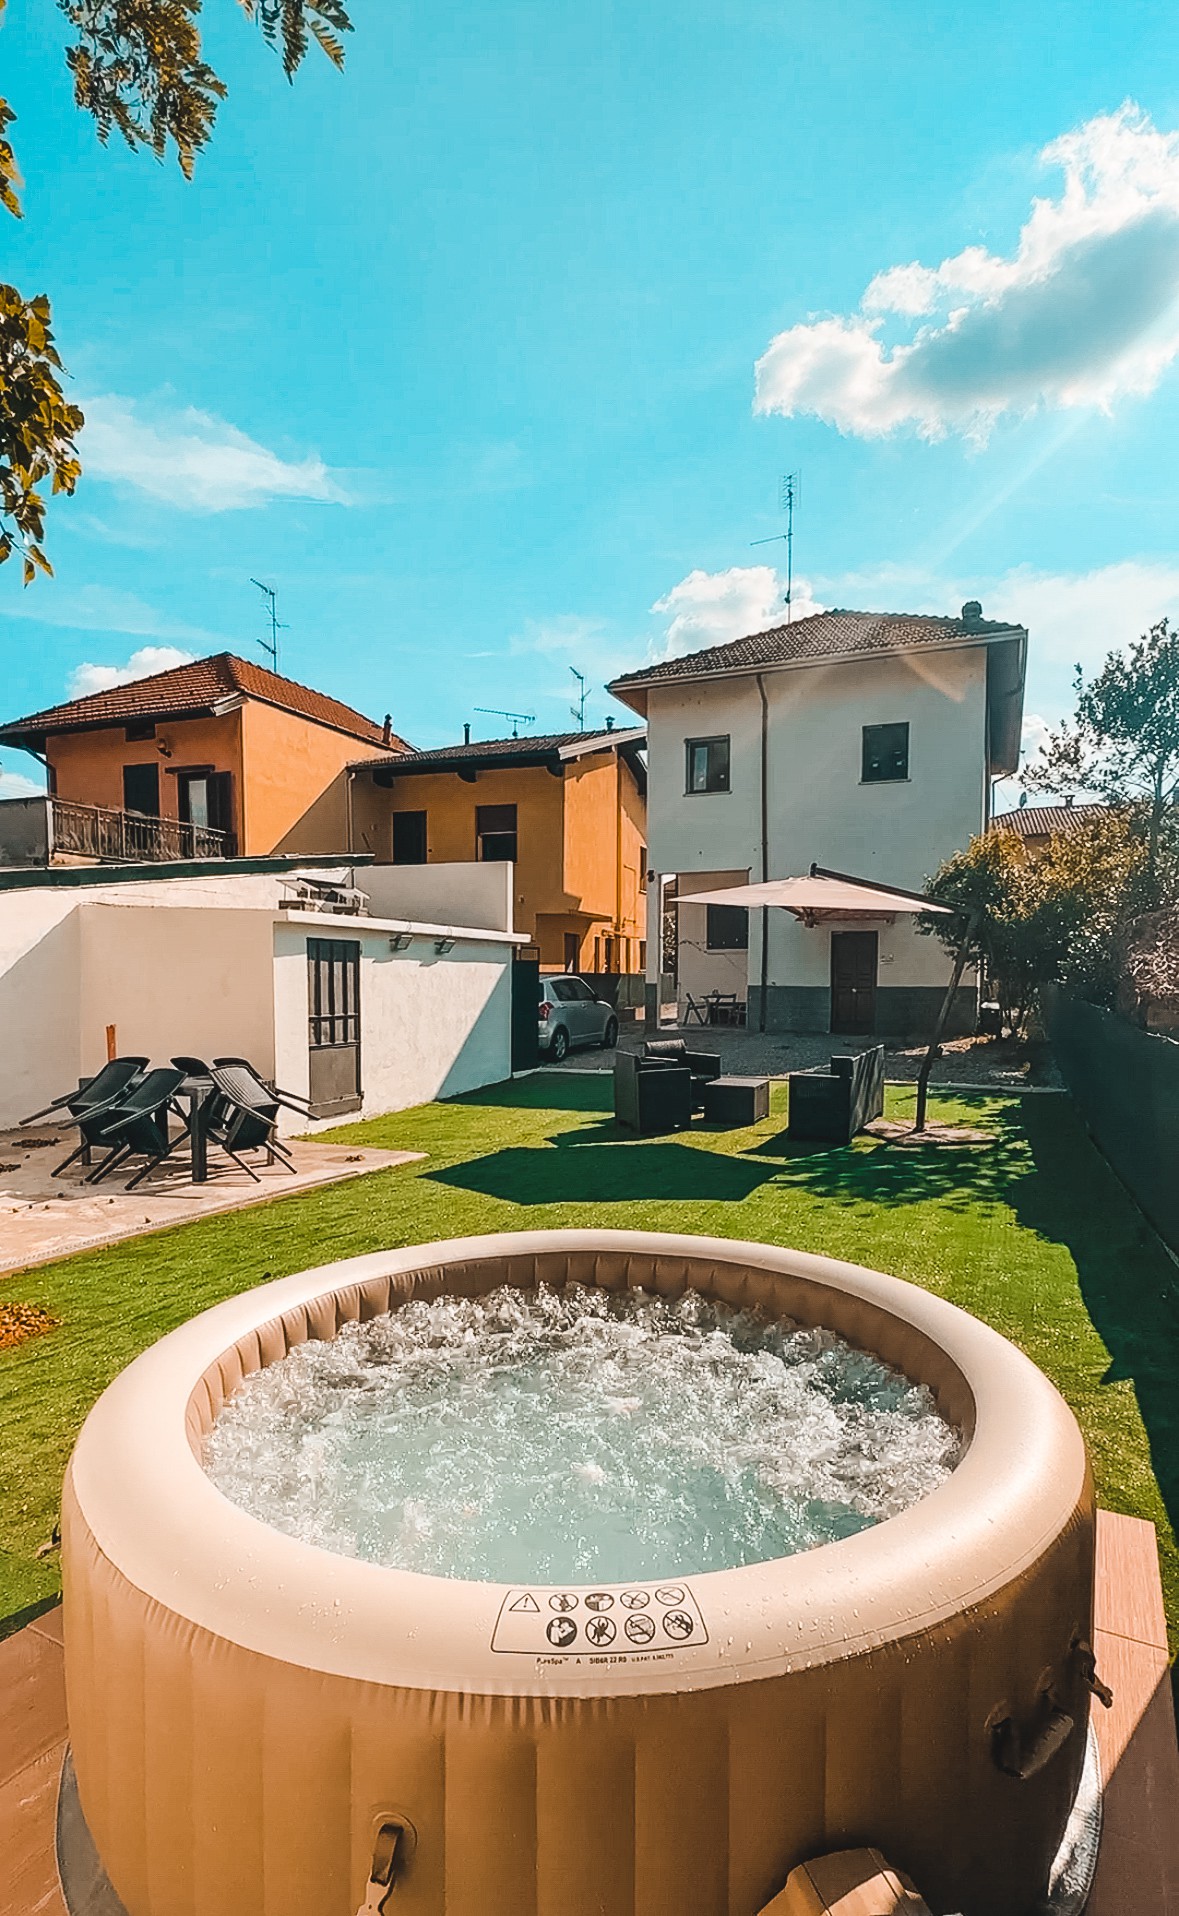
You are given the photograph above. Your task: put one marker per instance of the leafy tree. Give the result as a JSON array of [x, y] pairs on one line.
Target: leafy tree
[[138, 70], [1047, 916], [1123, 742]]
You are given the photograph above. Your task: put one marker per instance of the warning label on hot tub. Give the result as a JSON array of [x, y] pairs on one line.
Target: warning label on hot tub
[[634, 1620]]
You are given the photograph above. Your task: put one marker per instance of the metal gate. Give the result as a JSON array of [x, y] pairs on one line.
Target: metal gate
[[525, 999]]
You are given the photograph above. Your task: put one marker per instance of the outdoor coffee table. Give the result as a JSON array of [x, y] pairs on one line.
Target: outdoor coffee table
[[734, 1101]]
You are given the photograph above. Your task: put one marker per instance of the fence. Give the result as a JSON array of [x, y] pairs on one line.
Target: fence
[[94, 831], [1126, 1082]]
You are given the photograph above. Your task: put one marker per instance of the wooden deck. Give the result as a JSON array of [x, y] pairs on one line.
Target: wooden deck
[[1138, 1870]]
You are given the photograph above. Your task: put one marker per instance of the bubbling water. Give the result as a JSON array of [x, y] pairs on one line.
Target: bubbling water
[[576, 1436]]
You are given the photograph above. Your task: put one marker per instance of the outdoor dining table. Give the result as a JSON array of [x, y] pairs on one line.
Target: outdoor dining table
[[197, 1094]]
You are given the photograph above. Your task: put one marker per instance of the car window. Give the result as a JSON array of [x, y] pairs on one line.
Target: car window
[[580, 991], [562, 989]]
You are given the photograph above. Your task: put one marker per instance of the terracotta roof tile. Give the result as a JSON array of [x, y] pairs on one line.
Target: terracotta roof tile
[[190, 690], [837, 634], [482, 751], [1042, 821]]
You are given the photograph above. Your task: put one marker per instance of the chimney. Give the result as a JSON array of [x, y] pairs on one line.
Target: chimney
[[609, 721], [972, 612], [1068, 801], [388, 728], [467, 733]]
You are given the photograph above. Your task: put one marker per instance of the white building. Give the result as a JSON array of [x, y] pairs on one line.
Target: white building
[[370, 1010], [863, 742]]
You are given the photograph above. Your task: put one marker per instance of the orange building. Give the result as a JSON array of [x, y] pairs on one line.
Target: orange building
[[218, 756], [570, 811]]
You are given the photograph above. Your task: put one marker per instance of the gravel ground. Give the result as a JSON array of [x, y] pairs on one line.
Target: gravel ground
[[989, 1063]]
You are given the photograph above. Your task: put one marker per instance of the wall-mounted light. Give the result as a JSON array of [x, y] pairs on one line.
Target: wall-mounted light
[[443, 945], [401, 941], [163, 748]]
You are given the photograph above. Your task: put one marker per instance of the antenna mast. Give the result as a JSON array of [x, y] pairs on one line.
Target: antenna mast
[[578, 710], [517, 718], [789, 491], [276, 624]]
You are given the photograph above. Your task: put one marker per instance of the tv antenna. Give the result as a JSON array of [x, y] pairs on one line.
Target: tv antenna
[[789, 492], [578, 710], [276, 624], [516, 719]]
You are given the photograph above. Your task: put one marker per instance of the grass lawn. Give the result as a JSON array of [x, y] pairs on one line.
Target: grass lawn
[[1031, 1231]]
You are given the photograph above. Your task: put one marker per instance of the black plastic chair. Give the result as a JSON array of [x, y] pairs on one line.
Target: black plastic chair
[[263, 1087], [246, 1118], [106, 1083], [104, 1092], [192, 1067], [139, 1128]]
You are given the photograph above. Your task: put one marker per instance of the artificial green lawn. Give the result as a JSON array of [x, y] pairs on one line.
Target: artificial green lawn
[[1031, 1231]]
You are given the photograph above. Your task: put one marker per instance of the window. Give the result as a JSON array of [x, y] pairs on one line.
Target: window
[[141, 789], [409, 838], [333, 984], [708, 764], [886, 753], [138, 730], [728, 928], [495, 831], [205, 797], [572, 950]]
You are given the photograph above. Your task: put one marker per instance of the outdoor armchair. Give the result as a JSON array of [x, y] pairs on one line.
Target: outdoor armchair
[[703, 1065], [652, 1095], [192, 1067], [245, 1118], [139, 1126]]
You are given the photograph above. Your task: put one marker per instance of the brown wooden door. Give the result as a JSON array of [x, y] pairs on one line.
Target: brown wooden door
[[853, 982]]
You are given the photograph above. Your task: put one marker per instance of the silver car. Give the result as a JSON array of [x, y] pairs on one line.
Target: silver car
[[571, 1015]]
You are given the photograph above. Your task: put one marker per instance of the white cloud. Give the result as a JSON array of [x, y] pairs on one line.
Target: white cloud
[[88, 678], [1085, 311], [1076, 618], [16, 785], [710, 608], [193, 461], [100, 608]]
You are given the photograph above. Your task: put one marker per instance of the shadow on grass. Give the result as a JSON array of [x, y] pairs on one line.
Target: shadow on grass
[[1129, 1285], [873, 1171], [599, 1173], [547, 1091]]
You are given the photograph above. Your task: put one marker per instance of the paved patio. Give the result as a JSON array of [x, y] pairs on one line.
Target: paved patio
[[42, 1217], [1138, 1867]]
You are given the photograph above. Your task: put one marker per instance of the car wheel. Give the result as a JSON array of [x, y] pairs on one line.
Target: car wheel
[[610, 1035], [558, 1045]]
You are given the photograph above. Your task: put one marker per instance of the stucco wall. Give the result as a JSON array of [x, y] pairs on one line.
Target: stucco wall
[[296, 789], [39, 1001], [185, 981], [819, 810], [470, 894], [430, 1026], [88, 766]]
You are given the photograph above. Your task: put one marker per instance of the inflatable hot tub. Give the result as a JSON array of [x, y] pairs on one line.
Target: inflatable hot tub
[[253, 1717]]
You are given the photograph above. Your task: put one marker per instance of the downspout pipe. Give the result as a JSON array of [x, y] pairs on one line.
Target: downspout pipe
[[765, 849]]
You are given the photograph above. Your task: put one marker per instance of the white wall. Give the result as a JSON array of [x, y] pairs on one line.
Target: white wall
[[474, 895], [39, 1030], [819, 810], [430, 1026], [185, 981]]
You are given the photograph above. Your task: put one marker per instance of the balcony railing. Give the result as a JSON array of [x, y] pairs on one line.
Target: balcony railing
[[93, 831]]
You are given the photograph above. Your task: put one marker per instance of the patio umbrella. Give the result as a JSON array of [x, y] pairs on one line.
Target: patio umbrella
[[824, 895]]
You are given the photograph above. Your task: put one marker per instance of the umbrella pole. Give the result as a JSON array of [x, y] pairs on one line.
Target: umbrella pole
[[943, 1018]]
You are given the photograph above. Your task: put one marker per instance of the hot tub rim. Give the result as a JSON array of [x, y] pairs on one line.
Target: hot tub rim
[[150, 1508]]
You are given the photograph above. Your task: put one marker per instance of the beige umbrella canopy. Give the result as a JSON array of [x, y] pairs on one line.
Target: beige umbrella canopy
[[820, 895], [825, 895]]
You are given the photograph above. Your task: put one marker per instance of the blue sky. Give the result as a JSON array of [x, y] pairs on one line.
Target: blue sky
[[490, 352]]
